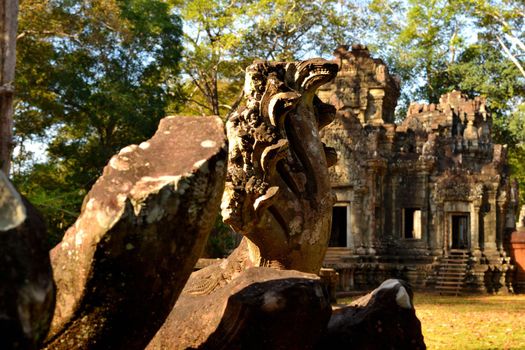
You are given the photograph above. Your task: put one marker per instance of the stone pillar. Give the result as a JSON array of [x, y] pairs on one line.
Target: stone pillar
[[489, 223], [441, 233], [357, 221], [424, 209], [395, 227], [377, 167], [376, 104], [436, 230], [474, 229], [371, 229], [500, 223], [363, 102]]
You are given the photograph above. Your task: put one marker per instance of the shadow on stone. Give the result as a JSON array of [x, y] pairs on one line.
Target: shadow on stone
[[27, 291], [262, 308], [382, 319]]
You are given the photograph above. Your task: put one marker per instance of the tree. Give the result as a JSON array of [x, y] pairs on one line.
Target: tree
[[223, 37], [289, 30], [93, 77], [211, 40], [517, 148], [8, 28], [424, 39], [493, 66], [506, 20]]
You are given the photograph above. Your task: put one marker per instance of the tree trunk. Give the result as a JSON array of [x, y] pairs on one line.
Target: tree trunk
[[8, 27]]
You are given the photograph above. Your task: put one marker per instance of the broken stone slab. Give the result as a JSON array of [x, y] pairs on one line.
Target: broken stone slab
[[142, 227], [262, 308], [382, 319], [27, 291]]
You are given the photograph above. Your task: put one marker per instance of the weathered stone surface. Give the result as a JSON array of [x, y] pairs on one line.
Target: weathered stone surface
[[143, 225], [260, 309], [27, 293], [363, 89], [278, 192], [383, 319], [12, 210]]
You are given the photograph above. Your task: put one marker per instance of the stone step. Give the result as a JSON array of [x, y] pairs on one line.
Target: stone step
[[448, 286], [458, 251], [451, 272], [451, 277], [450, 283], [454, 261], [444, 284], [453, 267], [457, 256]]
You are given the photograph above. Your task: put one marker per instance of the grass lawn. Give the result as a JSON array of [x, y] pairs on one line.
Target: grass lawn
[[472, 322], [478, 322]]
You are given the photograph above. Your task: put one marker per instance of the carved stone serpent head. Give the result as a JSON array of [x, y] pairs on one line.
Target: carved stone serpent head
[[278, 192]]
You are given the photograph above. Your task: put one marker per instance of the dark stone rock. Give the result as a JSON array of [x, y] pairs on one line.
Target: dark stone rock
[[262, 308], [383, 319], [143, 225], [27, 291]]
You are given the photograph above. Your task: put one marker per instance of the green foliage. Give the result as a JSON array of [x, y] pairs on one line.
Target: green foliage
[[222, 240], [49, 188], [516, 126], [92, 77], [505, 20], [423, 39], [291, 30], [213, 31], [223, 37]]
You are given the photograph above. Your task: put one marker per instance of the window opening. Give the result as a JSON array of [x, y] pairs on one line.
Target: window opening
[[412, 223]]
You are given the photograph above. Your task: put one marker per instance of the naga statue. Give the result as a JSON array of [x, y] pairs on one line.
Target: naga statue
[[277, 192]]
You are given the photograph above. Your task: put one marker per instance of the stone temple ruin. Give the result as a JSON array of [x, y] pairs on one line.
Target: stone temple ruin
[[428, 200], [410, 200]]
